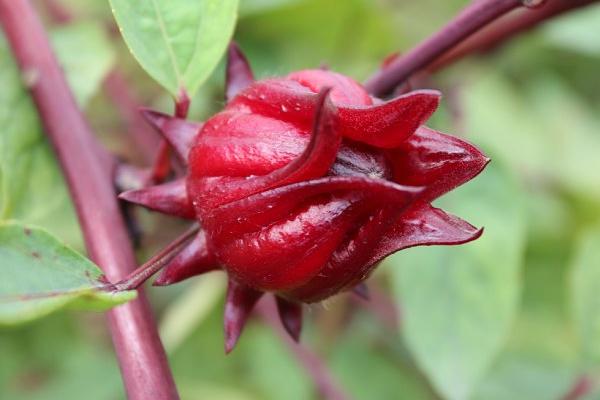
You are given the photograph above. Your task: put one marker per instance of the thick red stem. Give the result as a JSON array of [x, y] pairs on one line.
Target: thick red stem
[[476, 15], [141, 356]]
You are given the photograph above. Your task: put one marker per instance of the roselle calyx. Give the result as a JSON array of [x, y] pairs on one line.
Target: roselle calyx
[[302, 184]]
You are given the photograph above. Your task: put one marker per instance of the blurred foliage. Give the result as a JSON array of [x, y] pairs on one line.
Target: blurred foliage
[[467, 295], [512, 316]]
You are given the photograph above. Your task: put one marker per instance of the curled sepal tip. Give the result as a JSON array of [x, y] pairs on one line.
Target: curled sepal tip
[[388, 124], [290, 314], [424, 226], [238, 305], [436, 161], [169, 198]]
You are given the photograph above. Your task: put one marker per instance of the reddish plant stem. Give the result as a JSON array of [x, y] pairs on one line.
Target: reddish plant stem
[[144, 272], [506, 28], [582, 387], [326, 384], [182, 105], [141, 356], [473, 17]]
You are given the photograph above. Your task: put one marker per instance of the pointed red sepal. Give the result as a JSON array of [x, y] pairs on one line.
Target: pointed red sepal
[[290, 314], [388, 124], [436, 161], [424, 226], [362, 290], [314, 162], [180, 133], [239, 303], [238, 75], [272, 205], [194, 259], [169, 198]]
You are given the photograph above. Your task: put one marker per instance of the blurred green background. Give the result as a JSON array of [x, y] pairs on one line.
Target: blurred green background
[[514, 315]]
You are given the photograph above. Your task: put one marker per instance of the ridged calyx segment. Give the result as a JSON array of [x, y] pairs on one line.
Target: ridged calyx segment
[[303, 184]]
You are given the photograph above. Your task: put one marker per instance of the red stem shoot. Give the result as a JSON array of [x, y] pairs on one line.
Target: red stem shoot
[[144, 272], [506, 28], [476, 15]]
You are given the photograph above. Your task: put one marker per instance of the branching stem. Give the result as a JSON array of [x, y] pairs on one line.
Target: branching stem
[[506, 28], [476, 15]]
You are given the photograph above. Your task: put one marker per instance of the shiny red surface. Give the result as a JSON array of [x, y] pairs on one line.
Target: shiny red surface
[[303, 184]]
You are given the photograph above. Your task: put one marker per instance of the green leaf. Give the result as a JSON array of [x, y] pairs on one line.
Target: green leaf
[[178, 42], [518, 376], [584, 293], [369, 371], [540, 359], [540, 127], [459, 302], [41, 275]]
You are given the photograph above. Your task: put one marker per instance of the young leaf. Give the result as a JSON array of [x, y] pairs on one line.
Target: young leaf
[[459, 302], [584, 294], [41, 275], [178, 42]]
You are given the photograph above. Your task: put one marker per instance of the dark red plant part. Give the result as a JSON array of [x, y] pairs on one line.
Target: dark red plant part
[[302, 184]]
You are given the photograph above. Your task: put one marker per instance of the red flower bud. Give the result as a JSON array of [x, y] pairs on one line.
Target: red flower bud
[[303, 184]]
